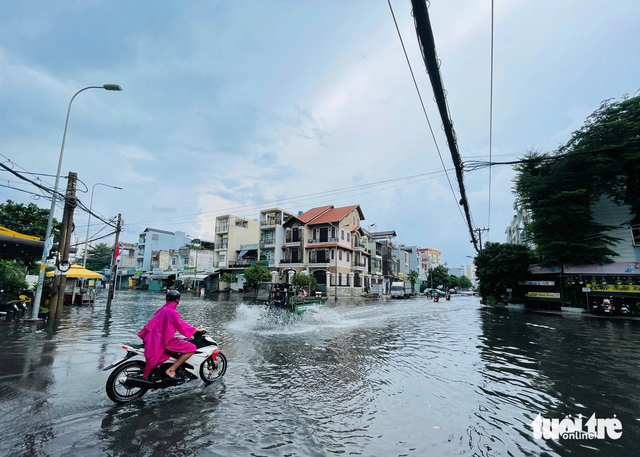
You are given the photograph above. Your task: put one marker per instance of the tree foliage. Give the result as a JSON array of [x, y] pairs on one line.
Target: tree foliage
[[12, 276], [413, 278], [99, 257], [500, 266], [304, 281], [438, 276], [256, 274], [228, 278], [465, 283], [602, 159], [26, 219]]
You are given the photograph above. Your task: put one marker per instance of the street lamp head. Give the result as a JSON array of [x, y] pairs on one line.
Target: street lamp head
[[112, 87], [116, 187]]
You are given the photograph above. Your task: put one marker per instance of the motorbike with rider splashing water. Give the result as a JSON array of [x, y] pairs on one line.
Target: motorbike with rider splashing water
[[163, 360]]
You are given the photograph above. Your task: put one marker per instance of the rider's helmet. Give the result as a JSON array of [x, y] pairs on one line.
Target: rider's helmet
[[173, 295]]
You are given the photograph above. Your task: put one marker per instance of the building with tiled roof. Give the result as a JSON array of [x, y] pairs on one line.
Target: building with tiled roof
[[327, 243]]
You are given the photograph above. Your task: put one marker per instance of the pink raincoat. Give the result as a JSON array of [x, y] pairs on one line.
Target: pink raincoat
[[159, 336]]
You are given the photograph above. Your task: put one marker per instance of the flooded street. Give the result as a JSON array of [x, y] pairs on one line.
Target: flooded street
[[383, 378]]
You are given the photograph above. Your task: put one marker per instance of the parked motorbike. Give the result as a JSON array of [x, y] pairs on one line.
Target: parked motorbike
[[608, 307], [13, 307], [625, 310], [126, 383]]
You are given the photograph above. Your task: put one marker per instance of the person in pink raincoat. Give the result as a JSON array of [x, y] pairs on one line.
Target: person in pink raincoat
[[159, 337]]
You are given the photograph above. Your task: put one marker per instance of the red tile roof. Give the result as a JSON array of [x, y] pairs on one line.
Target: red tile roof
[[313, 213], [336, 215]]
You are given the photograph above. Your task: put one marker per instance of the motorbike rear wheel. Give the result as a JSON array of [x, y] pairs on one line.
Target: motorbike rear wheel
[[117, 391], [211, 370]]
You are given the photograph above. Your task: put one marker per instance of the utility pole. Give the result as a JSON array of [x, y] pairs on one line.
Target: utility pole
[[114, 265], [62, 266], [480, 231]]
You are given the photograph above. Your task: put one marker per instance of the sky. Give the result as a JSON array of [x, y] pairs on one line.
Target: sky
[[233, 107]]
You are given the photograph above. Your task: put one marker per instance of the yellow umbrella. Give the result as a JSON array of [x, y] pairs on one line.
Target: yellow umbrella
[[77, 271]]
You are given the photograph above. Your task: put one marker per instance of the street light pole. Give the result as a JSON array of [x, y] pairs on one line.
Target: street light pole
[[86, 240], [45, 253]]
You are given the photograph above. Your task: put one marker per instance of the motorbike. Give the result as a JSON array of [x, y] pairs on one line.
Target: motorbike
[[625, 310], [13, 307], [126, 383], [608, 308]]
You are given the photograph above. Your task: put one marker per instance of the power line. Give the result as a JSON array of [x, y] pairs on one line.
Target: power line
[[301, 198], [490, 114], [428, 49], [422, 104]]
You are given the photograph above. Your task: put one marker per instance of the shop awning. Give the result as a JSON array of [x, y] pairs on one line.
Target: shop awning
[[77, 271], [14, 244]]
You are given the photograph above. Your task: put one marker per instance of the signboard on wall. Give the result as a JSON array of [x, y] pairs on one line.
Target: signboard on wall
[[614, 288], [537, 283], [542, 295]]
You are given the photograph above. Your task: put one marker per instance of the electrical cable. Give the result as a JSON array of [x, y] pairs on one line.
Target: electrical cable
[[490, 115], [424, 110], [300, 198], [428, 50]]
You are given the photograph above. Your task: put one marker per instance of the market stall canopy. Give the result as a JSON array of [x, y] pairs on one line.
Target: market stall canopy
[[77, 271], [16, 245]]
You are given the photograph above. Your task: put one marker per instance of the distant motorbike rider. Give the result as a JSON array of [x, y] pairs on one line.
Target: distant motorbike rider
[[159, 339]]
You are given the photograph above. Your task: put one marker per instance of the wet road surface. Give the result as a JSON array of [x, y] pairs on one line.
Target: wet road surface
[[372, 378]]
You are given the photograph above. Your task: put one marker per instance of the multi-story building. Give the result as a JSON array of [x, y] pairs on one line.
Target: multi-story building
[[231, 233], [516, 232], [408, 260], [156, 240], [273, 237], [127, 258], [195, 257], [329, 244], [384, 265]]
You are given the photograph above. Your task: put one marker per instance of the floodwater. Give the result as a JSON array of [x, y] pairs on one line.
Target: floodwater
[[371, 378]]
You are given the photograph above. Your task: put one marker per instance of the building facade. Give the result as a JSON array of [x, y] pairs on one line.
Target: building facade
[[157, 240], [231, 233]]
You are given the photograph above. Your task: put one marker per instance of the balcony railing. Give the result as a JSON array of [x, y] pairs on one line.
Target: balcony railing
[[270, 221], [241, 263], [292, 237], [221, 246], [329, 240], [324, 261], [222, 229], [288, 261]]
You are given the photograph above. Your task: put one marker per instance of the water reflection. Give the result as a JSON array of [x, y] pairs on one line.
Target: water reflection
[[163, 428], [559, 366]]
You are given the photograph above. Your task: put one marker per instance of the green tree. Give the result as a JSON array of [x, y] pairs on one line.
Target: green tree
[[12, 276], [438, 276], [453, 282], [304, 281], [99, 257], [413, 277], [465, 283], [228, 278], [256, 274], [26, 219], [602, 159], [500, 266]]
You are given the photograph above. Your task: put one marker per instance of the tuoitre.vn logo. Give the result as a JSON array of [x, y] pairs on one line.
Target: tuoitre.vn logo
[[574, 429]]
